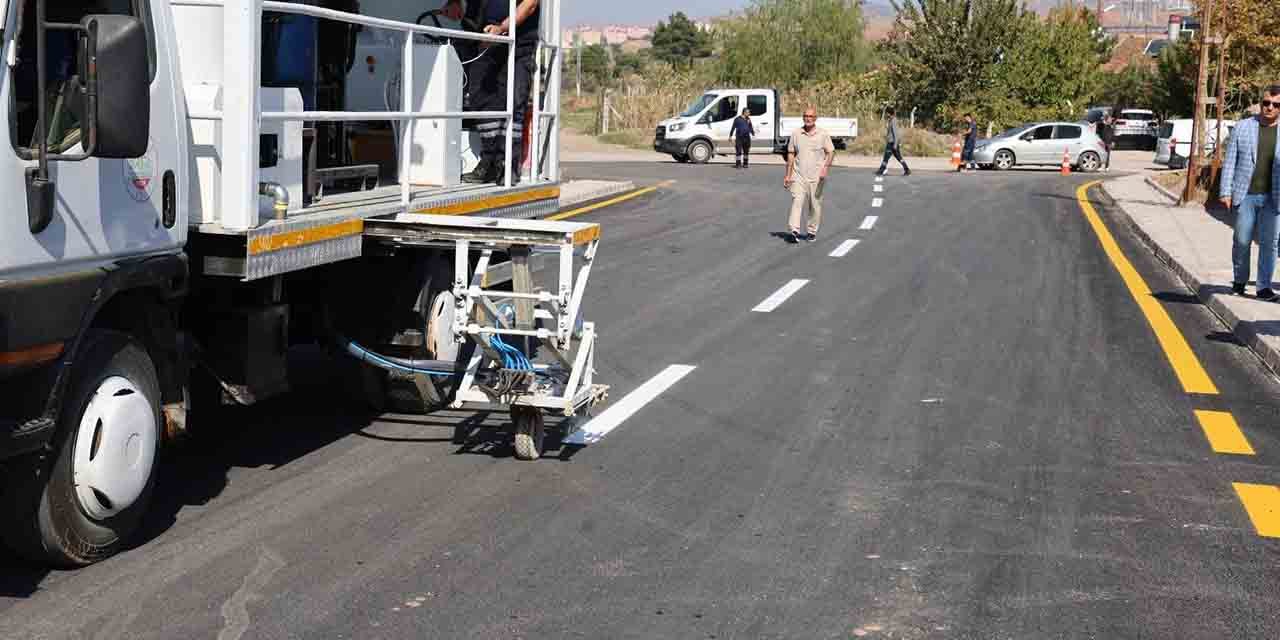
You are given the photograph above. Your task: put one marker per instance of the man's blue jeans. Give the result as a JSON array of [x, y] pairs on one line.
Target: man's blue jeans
[[1255, 213]]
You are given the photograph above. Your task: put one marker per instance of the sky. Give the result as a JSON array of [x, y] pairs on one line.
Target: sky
[[648, 12]]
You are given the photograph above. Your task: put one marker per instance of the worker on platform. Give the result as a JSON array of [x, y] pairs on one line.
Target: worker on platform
[[487, 81]]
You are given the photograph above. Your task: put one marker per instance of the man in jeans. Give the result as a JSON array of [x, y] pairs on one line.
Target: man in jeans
[[809, 157], [1251, 184], [970, 143], [892, 145]]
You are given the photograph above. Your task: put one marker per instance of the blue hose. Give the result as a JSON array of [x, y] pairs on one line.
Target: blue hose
[[364, 355]]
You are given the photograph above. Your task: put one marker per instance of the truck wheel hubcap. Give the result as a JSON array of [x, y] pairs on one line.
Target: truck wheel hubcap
[[115, 448]]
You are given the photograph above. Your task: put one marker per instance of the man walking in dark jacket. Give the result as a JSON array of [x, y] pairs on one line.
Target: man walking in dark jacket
[[892, 145], [1107, 133], [743, 131]]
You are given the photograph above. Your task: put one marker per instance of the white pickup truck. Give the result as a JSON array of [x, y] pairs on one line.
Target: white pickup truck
[[705, 129]]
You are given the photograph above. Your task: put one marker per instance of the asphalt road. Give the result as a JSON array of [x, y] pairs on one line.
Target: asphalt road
[[963, 428]]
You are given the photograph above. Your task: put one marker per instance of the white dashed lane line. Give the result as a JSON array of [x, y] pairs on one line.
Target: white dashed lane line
[[844, 248], [780, 296], [869, 222], [598, 427], [879, 188], [877, 202]]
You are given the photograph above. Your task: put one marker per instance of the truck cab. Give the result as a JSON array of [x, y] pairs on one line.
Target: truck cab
[[705, 129]]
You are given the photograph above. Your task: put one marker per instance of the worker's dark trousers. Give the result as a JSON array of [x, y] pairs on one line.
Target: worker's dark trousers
[[488, 79], [892, 150], [742, 146]]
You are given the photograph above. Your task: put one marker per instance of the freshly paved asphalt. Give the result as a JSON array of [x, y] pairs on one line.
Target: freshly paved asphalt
[[965, 428]]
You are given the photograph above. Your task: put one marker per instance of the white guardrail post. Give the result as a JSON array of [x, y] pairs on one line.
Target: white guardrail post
[[242, 32]]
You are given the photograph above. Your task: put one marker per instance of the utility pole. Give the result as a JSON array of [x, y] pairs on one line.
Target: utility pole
[[577, 54], [1194, 157]]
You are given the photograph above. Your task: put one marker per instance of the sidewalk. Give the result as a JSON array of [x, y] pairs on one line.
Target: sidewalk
[[1197, 246]]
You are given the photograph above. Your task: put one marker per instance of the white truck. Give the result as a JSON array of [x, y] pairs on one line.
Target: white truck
[[704, 130], [185, 207]]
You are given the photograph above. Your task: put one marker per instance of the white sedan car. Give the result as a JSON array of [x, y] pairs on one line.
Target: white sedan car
[[1043, 143]]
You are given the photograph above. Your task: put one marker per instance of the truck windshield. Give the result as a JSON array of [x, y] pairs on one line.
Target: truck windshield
[[698, 105]]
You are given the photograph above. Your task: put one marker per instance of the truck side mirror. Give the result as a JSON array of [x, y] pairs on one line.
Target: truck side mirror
[[116, 54]]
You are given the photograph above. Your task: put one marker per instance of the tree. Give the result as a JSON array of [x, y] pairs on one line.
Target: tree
[[1133, 85], [1175, 90], [679, 41], [947, 50], [789, 43]]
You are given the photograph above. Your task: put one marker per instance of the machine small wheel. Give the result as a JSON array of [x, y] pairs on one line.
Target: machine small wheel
[[530, 432]]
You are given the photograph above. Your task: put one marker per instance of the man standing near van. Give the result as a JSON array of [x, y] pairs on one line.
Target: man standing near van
[[743, 130], [1251, 185], [809, 157], [892, 145]]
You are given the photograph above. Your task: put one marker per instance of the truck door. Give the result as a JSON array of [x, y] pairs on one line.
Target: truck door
[[763, 117], [720, 118], [105, 209]]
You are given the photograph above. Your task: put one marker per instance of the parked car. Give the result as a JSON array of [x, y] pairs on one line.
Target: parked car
[[1179, 131], [1136, 129], [1042, 144], [704, 129], [1095, 114]]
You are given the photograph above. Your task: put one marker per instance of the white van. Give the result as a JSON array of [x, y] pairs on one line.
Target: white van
[[703, 131], [1178, 131]]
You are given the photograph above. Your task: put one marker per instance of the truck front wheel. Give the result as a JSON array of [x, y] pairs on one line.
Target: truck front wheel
[[700, 152], [83, 506]]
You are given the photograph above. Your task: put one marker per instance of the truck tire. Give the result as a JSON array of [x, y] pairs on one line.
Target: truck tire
[[530, 432], [700, 152], [82, 505]]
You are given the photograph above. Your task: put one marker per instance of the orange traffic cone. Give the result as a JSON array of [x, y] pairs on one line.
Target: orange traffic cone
[[1066, 162], [955, 154]]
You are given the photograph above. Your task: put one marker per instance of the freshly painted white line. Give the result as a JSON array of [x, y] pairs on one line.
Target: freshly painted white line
[[869, 222], [598, 427], [844, 248], [879, 188], [877, 202], [879, 178], [780, 296]]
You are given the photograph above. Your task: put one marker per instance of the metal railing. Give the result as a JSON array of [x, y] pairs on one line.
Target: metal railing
[[242, 123]]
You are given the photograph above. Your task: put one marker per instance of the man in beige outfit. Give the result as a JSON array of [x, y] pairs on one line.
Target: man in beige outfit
[[809, 156]]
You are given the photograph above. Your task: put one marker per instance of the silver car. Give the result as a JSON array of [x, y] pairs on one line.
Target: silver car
[[1042, 144]]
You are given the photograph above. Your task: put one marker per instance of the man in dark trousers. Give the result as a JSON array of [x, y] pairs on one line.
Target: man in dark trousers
[[487, 76], [970, 143], [743, 130], [1107, 133], [892, 145]]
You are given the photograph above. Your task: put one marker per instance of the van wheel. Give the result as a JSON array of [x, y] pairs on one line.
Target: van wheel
[[700, 152], [83, 506]]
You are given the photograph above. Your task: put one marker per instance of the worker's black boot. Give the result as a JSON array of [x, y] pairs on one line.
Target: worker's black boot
[[483, 172], [499, 174]]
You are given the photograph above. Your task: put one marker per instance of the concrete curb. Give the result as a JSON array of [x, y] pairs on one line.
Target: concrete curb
[[1212, 296], [576, 192], [1174, 199]]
